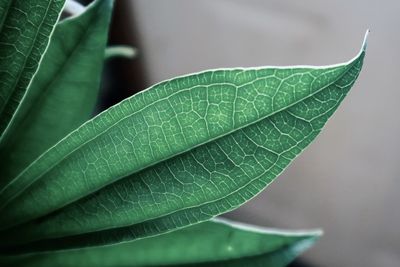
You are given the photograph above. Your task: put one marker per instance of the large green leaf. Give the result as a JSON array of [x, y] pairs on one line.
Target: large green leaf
[[214, 243], [187, 149], [63, 92], [25, 29]]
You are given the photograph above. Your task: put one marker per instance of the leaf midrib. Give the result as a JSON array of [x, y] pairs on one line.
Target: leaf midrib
[[17, 80], [41, 97], [350, 65], [183, 209]]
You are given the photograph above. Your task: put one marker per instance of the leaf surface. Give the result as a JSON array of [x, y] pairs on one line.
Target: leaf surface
[[63, 92], [25, 29], [213, 243], [179, 153]]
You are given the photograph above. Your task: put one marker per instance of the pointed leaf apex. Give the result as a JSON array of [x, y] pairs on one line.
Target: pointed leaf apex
[[365, 42]]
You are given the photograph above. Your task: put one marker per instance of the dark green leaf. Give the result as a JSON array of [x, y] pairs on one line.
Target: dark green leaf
[[25, 29], [187, 149], [63, 92], [214, 243]]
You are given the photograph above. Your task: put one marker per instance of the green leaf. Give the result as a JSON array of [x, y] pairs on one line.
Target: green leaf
[[63, 92], [25, 29], [214, 243], [188, 149]]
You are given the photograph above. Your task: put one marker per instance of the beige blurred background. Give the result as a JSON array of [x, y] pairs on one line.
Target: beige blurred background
[[347, 182]]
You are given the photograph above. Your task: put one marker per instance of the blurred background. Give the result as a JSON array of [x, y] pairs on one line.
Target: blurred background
[[347, 182]]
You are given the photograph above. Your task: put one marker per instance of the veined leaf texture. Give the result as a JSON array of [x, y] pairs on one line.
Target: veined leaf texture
[[181, 152], [62, 94], [116, 187], [25, 29]]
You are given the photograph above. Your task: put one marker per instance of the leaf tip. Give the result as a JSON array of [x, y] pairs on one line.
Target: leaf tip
[[317, 232], [314, 234], [365, 41]]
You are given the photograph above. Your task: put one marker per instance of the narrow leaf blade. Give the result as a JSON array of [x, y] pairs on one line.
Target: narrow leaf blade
[[63, 92], [213, 243], [25, 29]]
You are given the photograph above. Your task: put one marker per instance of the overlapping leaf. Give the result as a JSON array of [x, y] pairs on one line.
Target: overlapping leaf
[[25, 29], [175, 155], [179, 153], [63, 92], [214, 243]]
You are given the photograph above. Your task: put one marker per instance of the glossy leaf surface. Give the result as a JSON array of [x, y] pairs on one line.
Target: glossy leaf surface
[[63, 92], [214, 243], [25, 29]]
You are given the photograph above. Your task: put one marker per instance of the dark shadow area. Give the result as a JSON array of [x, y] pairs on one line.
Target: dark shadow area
[[122, 77]]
